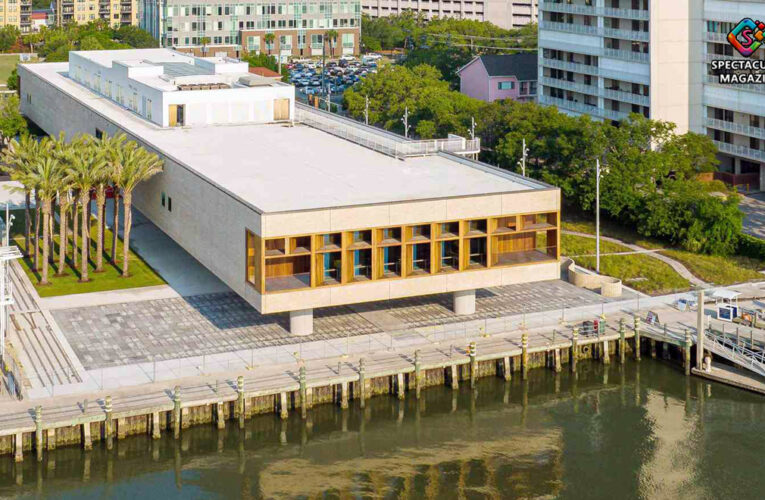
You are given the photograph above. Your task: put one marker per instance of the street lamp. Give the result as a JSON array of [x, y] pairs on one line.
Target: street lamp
[[598, 174]]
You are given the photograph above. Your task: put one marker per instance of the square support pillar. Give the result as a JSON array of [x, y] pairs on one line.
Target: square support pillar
[[301, 322], [464, 302]]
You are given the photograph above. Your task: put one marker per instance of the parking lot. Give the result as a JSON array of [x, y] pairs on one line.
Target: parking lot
[[338, 75]]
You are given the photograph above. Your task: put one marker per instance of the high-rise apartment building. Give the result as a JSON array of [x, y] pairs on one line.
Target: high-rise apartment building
[[115, 12], [16, 13], [299, 27], [609, 58], [504, 13]]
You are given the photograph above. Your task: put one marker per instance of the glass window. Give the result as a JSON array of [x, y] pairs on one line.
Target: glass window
[[506, 85]]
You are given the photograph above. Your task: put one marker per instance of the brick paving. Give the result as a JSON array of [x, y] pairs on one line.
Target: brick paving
[[120, 334]]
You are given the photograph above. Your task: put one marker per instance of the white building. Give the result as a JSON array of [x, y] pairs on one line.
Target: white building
[[503, 13], [304, 209], [169, 88], [609, 58]]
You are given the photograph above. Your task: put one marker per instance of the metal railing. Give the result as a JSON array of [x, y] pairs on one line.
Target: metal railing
[[733, 351], [583, 108], [751, 87], [588, 10], [617, 95], [627, 55], [381, 140], [743, 151], [736, 128]]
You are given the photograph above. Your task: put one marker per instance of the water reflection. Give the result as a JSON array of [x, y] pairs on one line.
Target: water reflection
[[634, 431]]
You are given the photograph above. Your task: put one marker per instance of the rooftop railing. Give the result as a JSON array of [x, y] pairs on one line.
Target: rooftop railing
[[381, 140]]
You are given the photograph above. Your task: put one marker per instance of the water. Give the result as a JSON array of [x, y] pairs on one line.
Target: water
[[639, 431]]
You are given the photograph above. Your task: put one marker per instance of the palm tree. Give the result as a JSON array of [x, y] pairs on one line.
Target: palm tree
[[269, 39], [110, 146], [48, 174], [204, 41], [331, 37], [83, 175], [19, 157], [66, 154], [136, 165]]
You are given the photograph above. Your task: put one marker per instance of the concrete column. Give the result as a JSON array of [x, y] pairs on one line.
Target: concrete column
[[464, 302], [301, 322]]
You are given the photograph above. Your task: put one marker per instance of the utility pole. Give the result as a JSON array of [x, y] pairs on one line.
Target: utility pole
[[329, 99], [366, 110], [522, 163], [405, 120], [323, 65]]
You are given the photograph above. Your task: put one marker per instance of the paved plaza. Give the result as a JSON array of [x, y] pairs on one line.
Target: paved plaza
[[155, 330]]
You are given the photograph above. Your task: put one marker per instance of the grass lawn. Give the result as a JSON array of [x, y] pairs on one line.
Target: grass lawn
[[638, 271], [720, 270], [608, 228], [111, 279], [7, 63]]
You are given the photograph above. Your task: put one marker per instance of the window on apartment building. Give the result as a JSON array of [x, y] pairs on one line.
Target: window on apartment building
[[754, 143], [169, 204], [754, 121], [162, 198], [506, 85], [524, 88]]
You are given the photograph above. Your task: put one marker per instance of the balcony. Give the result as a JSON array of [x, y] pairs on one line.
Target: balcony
[[579, 29], [750, 87], [637, 15], [627, 55], [715, 37], [640, 36], [579, 107], [582, 88], [585, 10], [735, 128], [741, 151], [584, 69]]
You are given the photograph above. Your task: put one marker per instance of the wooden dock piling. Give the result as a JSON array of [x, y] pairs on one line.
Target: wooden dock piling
[[524, 356]]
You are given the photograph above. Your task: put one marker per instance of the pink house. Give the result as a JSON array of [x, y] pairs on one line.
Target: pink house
[[492, 77]]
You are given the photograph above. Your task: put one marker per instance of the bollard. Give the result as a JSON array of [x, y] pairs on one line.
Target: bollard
[[303, 394], [687, 352], [574, 348], [506, 368], [417, 374], [525, 355], [38, 433], [240, 401], [473, 363], [177, 412], [622, 342], [636, 326], [362, 383]]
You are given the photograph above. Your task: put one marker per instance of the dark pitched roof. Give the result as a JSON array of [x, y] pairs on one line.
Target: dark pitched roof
[[522, 66]]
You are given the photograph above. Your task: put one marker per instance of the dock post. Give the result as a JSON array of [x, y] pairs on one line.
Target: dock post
[[574, 348], [240, 401], [665, 350], [18, 452], [303, 394], [506, 373], [455, 377], [417, 374], [687, 352], [177, 412], [87, 441], [653, 348], [557, 362], [400, 386], [473, 363], [51, 439], [606, 357], [525, 355], [283, 411], [362, 383], [622, 342], [108, 422], [636, 326], [156, 433], [220, 416], [344, 395], [38, 433]]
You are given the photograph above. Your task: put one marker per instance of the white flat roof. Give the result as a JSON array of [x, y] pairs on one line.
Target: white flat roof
[[278, 168]]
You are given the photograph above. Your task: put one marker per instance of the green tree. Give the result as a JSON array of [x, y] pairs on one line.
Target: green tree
[[19, 157], [269, 39], [11, 121], [9, 35], [13, 80], [331, 37], [135, 37], [47, 175]]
